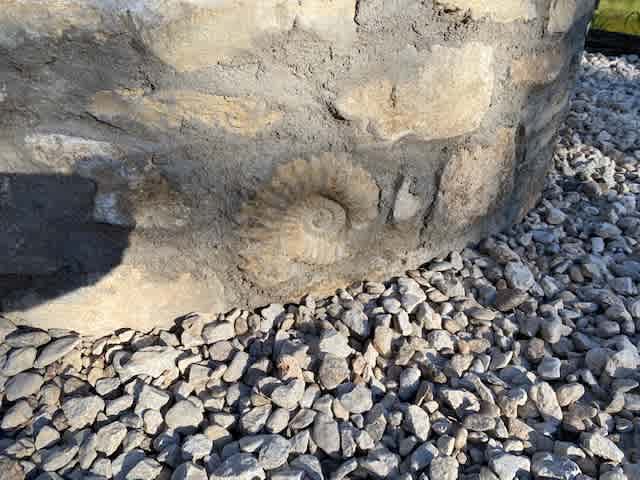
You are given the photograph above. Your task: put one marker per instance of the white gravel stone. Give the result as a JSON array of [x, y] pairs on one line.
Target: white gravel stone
[[218, 331], [602, 447], [519, 276], [46, 437], [507, 466], [417, 422], [335, 344], [152, 361], [326, 434], [184, 416], [333, 371], [57, 457], [274, 453], [110, 437], [357, 321], [189, 471], [547, 465], [357, 400], [380, 462], [241, 466], [19, 360], [278, 420], [444, 468], [197, 447], [236, 368], [82, 411], [56, 350], [255, 419], [27, 338], [568, 394], [145, 469], [23, 385], [546, 401], [288, 395], [17, 415], [309, 465]]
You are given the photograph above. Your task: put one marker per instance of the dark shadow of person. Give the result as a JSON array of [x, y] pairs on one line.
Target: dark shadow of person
[[49, 242]]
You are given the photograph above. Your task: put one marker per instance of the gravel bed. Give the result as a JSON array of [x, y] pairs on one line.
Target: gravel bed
[[516, 359]]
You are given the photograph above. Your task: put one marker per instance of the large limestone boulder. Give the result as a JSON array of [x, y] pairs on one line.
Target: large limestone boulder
[[166, 156]]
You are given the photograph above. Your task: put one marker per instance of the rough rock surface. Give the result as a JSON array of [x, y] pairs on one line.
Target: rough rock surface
[[514, 359], [161, 157]]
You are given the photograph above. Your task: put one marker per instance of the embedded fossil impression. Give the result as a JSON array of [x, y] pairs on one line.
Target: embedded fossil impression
[[306, 216]]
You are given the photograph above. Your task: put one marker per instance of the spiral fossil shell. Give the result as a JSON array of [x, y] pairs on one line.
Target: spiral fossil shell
[[305, 216]]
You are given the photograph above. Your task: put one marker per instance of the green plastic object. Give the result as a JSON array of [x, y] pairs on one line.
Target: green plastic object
[[618, 16]]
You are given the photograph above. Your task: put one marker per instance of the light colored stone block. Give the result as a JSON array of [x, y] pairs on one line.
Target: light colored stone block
[[331, 20], [183, 33], [63, 153], [449, 96], [147, 300], [168, 109], [123, 188]]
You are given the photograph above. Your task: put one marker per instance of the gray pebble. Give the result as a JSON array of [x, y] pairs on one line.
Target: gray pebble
[[56, 350], [23, 385]]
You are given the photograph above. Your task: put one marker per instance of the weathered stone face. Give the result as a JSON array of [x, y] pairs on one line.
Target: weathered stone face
[[475, 179], [182, 33], [435, 103], [165, 156], [537, 68]]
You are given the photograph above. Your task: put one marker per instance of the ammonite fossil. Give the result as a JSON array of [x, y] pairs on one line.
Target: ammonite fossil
[[305, 217]]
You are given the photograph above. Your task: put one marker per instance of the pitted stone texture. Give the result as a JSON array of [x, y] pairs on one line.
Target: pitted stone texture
[[476, 178], [503, 11], [179, 33], [435, 104]]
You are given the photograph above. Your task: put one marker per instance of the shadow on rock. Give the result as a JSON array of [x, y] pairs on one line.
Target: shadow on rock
[[49, 241]]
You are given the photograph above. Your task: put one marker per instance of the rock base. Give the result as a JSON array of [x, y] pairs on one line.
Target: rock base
[[198, 155]]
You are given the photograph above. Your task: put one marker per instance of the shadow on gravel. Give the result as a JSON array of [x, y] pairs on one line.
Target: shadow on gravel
[[48, 239]]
